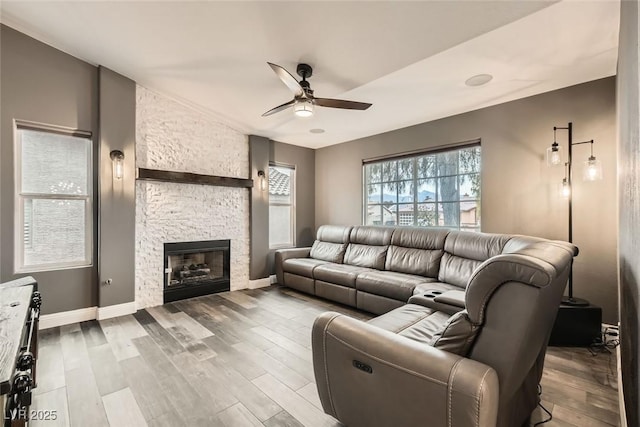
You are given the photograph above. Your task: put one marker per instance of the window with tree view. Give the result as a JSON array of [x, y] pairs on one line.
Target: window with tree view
[[440, 189]]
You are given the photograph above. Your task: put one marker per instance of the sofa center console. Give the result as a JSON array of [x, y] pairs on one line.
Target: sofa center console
[[449, 302]]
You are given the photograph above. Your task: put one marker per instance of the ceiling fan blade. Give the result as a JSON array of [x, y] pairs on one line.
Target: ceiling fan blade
[[340, 103], [279, 108], [288, 79]]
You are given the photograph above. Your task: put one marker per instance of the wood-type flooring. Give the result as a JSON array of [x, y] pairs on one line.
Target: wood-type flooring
[[242, 358]]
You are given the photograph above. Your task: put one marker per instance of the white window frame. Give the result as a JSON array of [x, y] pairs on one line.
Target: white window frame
[[292, 189], [413, 156], [20, 198]]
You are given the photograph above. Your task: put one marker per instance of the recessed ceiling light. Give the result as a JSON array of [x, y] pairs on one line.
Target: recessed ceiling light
[[317, 131], [479, 80]]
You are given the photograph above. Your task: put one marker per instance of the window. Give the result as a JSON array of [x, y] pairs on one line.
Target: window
[[438, 189], [53, 199], [281, 206]]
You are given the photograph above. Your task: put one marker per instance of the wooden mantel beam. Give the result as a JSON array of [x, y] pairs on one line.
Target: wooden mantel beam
[[193, 178]]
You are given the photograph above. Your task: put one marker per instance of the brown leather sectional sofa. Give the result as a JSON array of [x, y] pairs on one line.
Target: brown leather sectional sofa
[[465, 322], [377, 269]]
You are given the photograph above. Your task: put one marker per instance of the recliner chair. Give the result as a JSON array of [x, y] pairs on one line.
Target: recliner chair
[[417, 366]]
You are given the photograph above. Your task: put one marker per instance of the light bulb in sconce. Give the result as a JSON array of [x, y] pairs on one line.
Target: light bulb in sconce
[[117, 159], [554, 155], [592, 169], [565, 189], [263, 180]]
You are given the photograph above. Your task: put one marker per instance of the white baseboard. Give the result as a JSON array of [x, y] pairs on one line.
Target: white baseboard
[[259, 283], [83, 314], [67, 317], [623, 412], [116, 310], [273, 279]]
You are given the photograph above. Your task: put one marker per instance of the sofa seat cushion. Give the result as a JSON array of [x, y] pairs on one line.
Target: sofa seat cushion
[[425, 325], [413, 321], [340, 274], [390, 284], [301, 266]]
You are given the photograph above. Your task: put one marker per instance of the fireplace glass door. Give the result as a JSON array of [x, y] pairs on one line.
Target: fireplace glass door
[[195, 268]]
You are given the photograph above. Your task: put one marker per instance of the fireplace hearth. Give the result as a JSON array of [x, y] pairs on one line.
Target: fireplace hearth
[[193, 269]]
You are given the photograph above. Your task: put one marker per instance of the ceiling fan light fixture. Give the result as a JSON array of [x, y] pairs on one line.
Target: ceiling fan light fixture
[[303, 108], [304, 102]]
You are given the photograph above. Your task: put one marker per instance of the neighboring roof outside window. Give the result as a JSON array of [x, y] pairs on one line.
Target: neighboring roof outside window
[[279, 183]]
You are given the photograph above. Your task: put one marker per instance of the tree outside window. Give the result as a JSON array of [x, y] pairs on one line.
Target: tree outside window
[[440, 189]]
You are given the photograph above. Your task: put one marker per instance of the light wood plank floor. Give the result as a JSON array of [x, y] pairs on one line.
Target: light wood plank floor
[[242, 359]]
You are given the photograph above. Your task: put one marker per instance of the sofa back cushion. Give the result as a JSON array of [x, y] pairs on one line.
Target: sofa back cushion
[[464, 251], [330, 252], [368, 246], [416, 251], [457, 335], [331, 243]]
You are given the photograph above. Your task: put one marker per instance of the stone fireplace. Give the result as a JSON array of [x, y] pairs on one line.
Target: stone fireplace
[[193, 269], [171, 136]]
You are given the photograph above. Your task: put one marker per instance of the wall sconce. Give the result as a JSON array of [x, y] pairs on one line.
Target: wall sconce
[[263, 180], [592, 171], [117, 159]]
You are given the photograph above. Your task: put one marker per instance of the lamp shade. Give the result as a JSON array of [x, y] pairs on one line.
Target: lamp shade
[[554, 155], [592, 169], [564, 190], [117, 159], [263, 180], [303, 108]]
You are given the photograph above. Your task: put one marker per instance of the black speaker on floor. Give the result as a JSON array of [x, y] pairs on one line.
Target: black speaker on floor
[[577, 326]]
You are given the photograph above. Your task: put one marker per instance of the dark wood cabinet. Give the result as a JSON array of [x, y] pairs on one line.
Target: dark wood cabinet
[[19, 313]]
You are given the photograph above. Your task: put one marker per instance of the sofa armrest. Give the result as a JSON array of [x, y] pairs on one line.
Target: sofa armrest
[[369, 376], [539, 270], [284, 254]]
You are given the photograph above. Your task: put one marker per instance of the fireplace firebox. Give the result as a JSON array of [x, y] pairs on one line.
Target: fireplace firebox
[[193, 269]]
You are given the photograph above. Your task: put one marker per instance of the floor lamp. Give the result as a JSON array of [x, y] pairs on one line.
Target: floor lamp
[[592, 172]]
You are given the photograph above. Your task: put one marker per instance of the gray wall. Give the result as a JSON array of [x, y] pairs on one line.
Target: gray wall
[[117, 197], [259, 206], [629, 205], [519, 192], [304, 161], [263, 151], [44, 85]]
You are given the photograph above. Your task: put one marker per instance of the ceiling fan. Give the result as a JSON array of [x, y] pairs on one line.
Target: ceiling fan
[[303, 100]]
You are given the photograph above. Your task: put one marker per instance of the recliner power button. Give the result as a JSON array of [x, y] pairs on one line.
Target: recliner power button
[[363, 366]]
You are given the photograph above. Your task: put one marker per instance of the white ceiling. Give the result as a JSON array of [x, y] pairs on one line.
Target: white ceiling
[[410, 59]]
